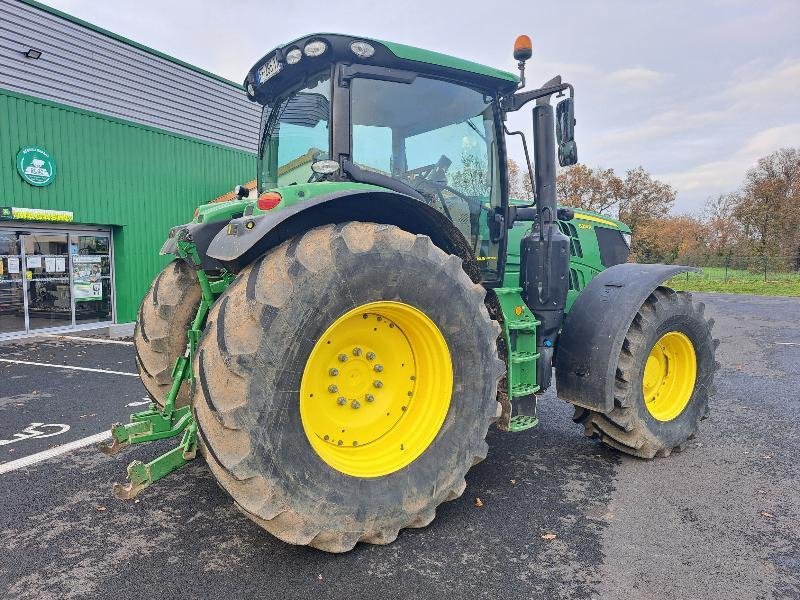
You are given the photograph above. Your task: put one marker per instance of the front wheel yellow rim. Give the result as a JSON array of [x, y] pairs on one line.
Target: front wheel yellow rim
[[376, 389], [669, 376]]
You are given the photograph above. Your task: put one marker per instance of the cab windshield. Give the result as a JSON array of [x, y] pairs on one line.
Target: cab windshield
[[438, 138]]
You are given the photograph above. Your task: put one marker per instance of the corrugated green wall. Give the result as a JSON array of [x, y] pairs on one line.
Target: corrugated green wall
[[138, 179]]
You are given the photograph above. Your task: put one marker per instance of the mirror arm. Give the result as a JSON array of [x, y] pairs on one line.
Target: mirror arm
[[513, 102], [521, 213]]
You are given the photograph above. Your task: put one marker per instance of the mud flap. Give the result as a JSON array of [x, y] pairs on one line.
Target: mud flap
[[591, 338]]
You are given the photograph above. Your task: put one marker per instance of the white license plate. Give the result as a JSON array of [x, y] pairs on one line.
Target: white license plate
[[269, 69]]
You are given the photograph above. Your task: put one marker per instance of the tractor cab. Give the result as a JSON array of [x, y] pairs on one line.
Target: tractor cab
[[345, 109]]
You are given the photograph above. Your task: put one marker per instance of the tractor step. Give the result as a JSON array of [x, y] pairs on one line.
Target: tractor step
[[518, 356], [527, 413], [519, 333], [522, 325], [523, 389], [522, 422]]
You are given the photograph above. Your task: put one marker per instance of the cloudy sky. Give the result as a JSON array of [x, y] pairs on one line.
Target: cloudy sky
[[694, 91]]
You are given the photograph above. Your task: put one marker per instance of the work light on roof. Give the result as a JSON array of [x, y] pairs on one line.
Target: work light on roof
[[315, 48], [362, 49], [293, 56]]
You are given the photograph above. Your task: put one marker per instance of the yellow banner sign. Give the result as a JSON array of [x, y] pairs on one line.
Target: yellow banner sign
[[12, 213]]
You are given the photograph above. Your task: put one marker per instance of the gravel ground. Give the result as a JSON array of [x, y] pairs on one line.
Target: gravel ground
[[720, 520]]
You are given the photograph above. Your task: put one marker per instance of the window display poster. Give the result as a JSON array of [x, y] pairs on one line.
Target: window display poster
[[61, 264], [50, 264], [13, 264], [86, 284], [34, 262]]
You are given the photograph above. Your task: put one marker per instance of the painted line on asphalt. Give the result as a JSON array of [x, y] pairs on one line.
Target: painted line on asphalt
[[38, 364], [28, 461], [787, 343], [87, 339]]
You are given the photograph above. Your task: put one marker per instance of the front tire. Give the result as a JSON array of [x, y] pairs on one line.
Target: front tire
[[263, 377], [159, 336], [664, 379]]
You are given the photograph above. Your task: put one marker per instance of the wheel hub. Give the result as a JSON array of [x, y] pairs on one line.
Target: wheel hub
[[669, 376], [376, 389]]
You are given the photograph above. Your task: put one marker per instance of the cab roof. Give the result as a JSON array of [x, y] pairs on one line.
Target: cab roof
[[387, 54]]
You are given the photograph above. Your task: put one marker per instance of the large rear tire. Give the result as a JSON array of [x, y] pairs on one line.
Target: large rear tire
[[664, 379], [286, 390], [165, 315]]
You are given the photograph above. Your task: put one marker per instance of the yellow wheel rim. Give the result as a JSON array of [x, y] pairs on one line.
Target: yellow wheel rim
[[376, 389], [669, 376]]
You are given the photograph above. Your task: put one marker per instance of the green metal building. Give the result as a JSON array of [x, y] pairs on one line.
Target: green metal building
[[104, 145]]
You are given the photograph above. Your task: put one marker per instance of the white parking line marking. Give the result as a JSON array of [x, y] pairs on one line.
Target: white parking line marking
[[38, 364], [142, 402], [27, 461], [787, 343], [87, 339]]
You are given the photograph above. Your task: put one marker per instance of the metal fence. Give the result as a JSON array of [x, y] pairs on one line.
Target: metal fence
[[732, 268]]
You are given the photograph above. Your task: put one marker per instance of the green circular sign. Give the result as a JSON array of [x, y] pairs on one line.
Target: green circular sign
[[36, 166]]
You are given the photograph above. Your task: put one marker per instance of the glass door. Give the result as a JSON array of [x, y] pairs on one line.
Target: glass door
[[47, 279], [90, 256], [54, 279], [12, 294]]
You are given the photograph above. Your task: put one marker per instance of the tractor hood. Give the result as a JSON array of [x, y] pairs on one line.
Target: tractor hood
[[286, 66]]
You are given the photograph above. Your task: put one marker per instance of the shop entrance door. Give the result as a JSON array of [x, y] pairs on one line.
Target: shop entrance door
[[54, 280]]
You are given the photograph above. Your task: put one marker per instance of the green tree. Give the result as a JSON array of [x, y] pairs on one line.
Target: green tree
[[472, 178], [642, 198], [583, 187], [768, 204]]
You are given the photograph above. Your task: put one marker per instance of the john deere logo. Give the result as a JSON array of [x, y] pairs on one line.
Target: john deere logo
[[36, 166]]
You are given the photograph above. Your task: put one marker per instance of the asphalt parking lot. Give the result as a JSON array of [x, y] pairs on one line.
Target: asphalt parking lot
[[719, 520]]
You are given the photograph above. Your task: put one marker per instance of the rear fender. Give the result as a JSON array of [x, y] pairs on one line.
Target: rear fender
[[248, 237], [594, 329]]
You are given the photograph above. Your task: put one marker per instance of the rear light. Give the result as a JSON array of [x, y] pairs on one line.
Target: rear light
[[196, 212], [268, 200]]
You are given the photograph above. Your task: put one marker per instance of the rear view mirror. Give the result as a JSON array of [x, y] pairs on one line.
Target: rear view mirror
[[565, 133]]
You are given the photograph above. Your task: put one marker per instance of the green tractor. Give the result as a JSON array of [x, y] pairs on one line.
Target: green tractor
[[356, 326]]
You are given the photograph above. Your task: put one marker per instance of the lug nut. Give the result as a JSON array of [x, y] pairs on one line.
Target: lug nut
[[341, 401], [369, 398], [333, 389], [370, 356], [356, 351], [378, 368], [377, 383], [355, 404], [333, 372], [343, 358]]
